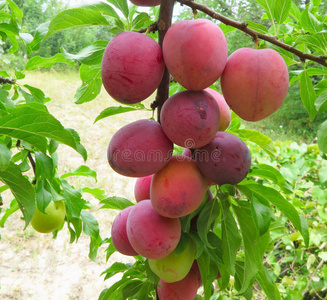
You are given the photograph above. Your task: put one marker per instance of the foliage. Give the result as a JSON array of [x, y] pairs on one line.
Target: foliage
[[272, 222]]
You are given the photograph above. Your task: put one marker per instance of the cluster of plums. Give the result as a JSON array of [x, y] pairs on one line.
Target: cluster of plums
[[254, 84]]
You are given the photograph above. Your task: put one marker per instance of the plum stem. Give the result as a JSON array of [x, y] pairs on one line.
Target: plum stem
[[322, 60], [164, 22]]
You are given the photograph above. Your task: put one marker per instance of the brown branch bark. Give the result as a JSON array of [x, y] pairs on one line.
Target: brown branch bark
[[6, 80], [164, 22], [322, 60]]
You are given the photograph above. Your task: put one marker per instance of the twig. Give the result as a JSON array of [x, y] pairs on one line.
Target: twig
[[30, 158], [243, 26], [152, 28], [164, 22], [314, 273], [7, 80]]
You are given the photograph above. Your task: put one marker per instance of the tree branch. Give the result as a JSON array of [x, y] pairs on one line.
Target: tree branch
[[164, 22], [322, 60], [7, 80]]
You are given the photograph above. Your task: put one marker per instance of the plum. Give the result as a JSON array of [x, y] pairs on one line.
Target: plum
[[150, 234], [178, 189], [142, 188], [255, 82], [132, 67], [225, 160], [119, 234], [139, 149], [195, 53], [190, 119]]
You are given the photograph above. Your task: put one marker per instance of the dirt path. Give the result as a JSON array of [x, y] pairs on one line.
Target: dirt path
[[34, 266]]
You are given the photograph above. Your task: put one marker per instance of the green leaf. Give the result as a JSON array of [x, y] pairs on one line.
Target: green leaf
[[38, 62], [44, 167], [140, 20], [308, 94], [267, 194], [115, 203], [33, 123], [81, 171], [121, 5], [40, 33], [311, 40], [85, 15], [43, 196], [74, 201], [37, 94], [16, 12], [321, 102], [268, 6], [91, 87], [5, 156], [258, 138], [22, 190], [281, 10], [253, 254], [9, 211], [113, 110], [90, 224], [267, 284], [322, 174], [309, 22], [257, 27], [90, 55], [206, 219], [131, 288], [115, 268], [271, 173], [231, 239], [262, 215]]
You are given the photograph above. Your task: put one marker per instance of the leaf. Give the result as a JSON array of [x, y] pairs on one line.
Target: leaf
[[90, 55], [257, 27], [115, 203], [37, 94], [43, 196], [206, 219], [139, 21], [309, 22], [231, 239], [74, 201], [91, 87], [267, 194], [308, 94], [115, 268], [311, 40], [40, 33], [33, 123], [22, 190], [5, 156], [81, 171], [262, 215], [267, 284], [38, 62], [281, 10], [253, 255], [44, 167], [258, 138], [321, 102], [268, 6], [85, 15], [271, 173], [16, 12], [121, 5], [113, 110], [9, 211], [322, 174]]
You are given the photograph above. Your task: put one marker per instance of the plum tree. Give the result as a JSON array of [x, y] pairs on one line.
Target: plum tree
[[184, 289], [195, 53], [225, 114], [178, 189], [139, 149], [146, 2], [226, 159], [132, 67], [142, 188], [190, 119], [255, 82], [150, 234], [176, 265], [52, 219], [119, 234]]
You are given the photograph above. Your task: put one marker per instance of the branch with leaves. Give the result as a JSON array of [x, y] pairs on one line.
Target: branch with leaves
[[7, 80], [243, 26]]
